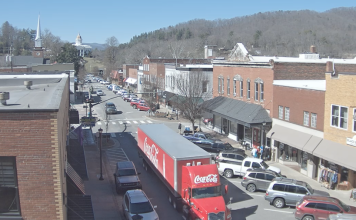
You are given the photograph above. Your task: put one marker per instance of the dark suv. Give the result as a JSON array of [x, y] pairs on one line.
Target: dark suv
[[258, 179], [126, 177], [235, 155], [320, 207]]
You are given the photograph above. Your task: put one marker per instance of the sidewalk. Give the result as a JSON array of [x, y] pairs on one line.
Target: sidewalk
[[104, 198]]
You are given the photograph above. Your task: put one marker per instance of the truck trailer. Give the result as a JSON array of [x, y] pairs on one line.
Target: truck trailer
[[192, 182]]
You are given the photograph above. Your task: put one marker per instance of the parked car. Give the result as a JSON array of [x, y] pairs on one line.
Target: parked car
[[135, 202], [236, 155], [99, 92], [207, 121], [126, 177], [132, 96], [258, 179], [143, 107], [125, 97], [123, 93], [106, 83], [320, 207], [342, 216], [283, 191], [116, 89], [135, 103], [201, 138]]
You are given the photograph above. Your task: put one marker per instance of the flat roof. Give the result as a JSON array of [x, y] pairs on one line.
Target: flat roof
[[44, 95], [302, 84]]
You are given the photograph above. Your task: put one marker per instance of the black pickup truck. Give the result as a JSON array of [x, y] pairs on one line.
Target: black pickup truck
[[217, 147]]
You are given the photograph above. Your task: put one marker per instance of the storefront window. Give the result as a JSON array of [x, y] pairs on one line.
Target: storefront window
[[304, 161], [282, 152], [256, 135], [248, 133], [233, 128], [217, 121]]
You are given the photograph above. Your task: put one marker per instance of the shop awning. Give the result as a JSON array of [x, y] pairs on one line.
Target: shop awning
[[337, 153], [312, 144], [237, 111], [131, 80], [289, 136]]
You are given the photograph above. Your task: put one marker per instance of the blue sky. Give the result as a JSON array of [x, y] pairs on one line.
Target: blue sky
[[98, 20]]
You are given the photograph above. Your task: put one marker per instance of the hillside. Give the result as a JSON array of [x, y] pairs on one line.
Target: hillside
[[282, 33]]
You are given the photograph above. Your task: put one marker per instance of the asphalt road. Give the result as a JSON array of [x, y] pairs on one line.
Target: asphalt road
[[245, 205]]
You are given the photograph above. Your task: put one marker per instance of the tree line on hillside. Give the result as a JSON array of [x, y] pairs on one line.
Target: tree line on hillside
[[281, 33]]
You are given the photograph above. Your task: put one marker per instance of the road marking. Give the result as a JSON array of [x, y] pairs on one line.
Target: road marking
[[120, 122], [143, 122], [114, 123], [149, 121], [128, 122], [99, 123], [135, 122], [277, 211]]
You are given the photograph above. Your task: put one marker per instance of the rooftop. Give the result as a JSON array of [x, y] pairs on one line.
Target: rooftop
[[302, 84], [44, 95]]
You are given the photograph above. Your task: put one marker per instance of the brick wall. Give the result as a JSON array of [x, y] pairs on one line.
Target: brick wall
[[299, 71], [252, 73], [299, 100], [38, 141], [340, 91]]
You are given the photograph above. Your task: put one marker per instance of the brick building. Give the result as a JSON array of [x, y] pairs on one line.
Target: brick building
[[33, 148]]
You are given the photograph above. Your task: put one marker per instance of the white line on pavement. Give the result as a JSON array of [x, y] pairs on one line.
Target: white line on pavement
[[135, 122], [120, 122], [143, 122], [149, 121], [128, 122], [114, 123], [277, 211], [99, 123]]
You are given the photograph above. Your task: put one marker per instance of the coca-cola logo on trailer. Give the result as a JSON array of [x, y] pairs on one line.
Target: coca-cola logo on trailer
[[151, 152], [211, 178]]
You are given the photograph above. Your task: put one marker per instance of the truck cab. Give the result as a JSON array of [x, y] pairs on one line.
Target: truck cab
[[202, 193]]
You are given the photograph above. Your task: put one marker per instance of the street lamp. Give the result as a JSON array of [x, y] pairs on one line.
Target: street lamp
[[101, 160]]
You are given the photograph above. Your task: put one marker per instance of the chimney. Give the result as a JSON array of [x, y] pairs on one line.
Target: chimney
[[312, 49], [28, 84], [329, 67], [3, 97]]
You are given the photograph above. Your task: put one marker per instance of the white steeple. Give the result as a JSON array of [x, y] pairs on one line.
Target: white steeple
[[38, 39], [78, 40]]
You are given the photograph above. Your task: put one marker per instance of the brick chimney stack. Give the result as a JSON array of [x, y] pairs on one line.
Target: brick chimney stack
[[329, 67], [312, 49]]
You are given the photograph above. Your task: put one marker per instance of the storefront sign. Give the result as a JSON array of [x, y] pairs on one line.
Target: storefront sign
[[351, 141]]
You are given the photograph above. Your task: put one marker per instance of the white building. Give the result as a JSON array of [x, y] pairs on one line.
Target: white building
[[83, 49]]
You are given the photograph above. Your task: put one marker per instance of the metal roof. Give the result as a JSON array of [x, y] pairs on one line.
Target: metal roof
[[237, 111], [172, 143]]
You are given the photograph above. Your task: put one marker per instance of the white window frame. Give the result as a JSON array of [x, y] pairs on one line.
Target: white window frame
[[248, 95], [241, 88], [222, 85], [306, 118], [339, 117], [286, 113], [256, 91], [262, 95], [313, 120], [219, 85], [280, 112], [234, 87]]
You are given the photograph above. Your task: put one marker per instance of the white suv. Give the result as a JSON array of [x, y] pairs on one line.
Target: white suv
[[136, 203]]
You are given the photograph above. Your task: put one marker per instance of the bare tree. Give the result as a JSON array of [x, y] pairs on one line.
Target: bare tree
[[111, 55], [192, 90]]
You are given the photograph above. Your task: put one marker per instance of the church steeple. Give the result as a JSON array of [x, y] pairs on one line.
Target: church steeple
[[38, 39]]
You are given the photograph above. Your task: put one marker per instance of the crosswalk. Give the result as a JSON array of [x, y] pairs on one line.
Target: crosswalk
[[126, 122]]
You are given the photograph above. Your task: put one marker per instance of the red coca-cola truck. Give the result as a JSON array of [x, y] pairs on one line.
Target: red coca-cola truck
[[193, 183]]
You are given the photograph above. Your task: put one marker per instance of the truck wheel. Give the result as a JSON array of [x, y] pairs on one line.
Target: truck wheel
[[172, 201], [228, 173], [278, 203], [251, 187], [134, 106], [308, 217]]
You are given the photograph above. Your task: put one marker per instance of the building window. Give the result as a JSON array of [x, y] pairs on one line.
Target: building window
[[280, 112], [222, 85], [219, 85], [241, 88], [313, 120], [339, 116], [234, 87], [354, 119], [228, 86], [9, 205], [261, 92], [248, 89], [256, 91], [205, 86], [286, 114], [306, 119]]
